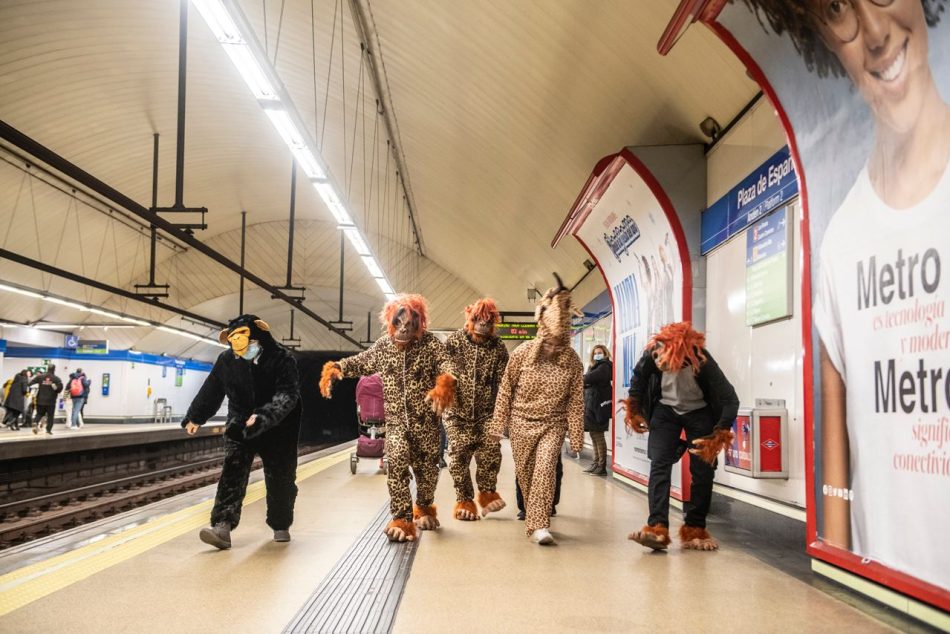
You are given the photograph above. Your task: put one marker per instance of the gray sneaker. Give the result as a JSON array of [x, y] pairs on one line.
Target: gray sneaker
[[218, 536], [281, 536]]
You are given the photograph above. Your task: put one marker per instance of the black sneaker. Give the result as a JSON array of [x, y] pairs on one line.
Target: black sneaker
[[521, 515]]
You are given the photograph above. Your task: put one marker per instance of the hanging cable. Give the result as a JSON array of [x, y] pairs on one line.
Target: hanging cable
[[280, 26], [326, 95], [356, 112], [313, 60]]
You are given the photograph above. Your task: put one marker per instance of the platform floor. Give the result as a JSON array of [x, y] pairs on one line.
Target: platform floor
[[147, 571], [25, 434]]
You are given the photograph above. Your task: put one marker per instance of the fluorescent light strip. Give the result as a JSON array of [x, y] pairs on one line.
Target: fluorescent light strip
[[233, 31], [99, 311]]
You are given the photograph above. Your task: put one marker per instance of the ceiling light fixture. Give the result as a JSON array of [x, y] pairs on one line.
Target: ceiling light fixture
[[231, 28], [98, 311]]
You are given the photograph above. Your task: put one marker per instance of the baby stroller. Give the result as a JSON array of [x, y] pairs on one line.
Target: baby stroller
[[371, 442]]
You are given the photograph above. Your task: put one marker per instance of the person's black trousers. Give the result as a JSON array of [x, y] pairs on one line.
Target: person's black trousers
[[46, 410], [664, 449], [278, 451], [557, 487]]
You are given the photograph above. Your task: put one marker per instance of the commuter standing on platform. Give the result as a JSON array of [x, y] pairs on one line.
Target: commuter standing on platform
[[541, 399], [419, 383], [259, 377], [598, 404], [50, 386], [677, 386], [78, 392], [480, 358], [16, 399]]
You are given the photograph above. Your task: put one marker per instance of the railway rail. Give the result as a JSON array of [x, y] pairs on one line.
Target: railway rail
[[33, 517]]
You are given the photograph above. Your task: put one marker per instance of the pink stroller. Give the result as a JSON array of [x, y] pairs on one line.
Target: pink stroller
[[371, 442]]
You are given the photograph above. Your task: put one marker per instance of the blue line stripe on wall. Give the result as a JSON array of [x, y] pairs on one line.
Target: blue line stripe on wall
[[113, 355]]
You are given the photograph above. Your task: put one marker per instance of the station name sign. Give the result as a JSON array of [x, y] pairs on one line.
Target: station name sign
[[770, 186]]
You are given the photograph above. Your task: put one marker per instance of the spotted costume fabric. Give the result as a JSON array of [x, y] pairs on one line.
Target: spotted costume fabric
[[541, 398], [412, 429], [480, 367]]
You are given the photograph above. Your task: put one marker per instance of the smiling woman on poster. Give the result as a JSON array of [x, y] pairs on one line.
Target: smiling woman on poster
[[881, 293]]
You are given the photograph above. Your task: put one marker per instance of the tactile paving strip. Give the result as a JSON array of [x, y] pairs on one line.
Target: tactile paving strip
[[362, 592]]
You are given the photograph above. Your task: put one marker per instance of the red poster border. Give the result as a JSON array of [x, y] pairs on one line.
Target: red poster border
[[603, 174], [840, 557]]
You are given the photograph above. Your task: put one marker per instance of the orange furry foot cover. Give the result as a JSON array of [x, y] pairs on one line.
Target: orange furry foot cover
[[331, 372], [408, 529], [425, 517], [655, 537], [443, 394], [490, 502], [708, 447], [632, 418], [697, 538], [465, 505]]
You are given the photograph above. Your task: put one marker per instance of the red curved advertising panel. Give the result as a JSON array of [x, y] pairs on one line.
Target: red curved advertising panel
[[863, 90]]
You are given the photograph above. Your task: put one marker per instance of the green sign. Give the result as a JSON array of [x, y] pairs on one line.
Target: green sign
[[517, 330], [768, 272], [92, 346]]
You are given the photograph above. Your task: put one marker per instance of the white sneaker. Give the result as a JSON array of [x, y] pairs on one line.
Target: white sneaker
[[542, 536]]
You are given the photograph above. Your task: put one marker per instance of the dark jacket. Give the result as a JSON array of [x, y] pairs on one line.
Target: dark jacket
[[268, 388], [645, 388], [16, 399], [50, 387], [85, 384], [597, 382]]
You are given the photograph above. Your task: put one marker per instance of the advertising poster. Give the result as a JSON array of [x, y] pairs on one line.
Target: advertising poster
[[863, 89], [629, 234]]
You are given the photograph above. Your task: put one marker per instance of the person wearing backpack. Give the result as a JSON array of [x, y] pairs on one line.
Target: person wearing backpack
[[50, 386], [78, 391]]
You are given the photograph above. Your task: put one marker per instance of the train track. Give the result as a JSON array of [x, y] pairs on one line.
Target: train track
[[34, 517]]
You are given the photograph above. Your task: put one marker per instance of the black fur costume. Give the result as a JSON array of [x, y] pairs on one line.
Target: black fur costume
[[267, 387]]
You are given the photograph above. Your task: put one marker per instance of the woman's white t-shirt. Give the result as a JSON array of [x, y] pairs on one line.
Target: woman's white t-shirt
[[881, 313]]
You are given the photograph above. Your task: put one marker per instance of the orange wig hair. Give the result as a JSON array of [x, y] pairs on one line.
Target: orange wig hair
[[484, 309], [415, 304], [677, 345]]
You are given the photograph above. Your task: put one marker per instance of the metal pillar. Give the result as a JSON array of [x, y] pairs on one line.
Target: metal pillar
[[243, 241]]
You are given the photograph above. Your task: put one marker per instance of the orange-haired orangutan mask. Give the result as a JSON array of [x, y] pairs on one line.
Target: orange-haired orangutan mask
[[480, 319], [406, 319]]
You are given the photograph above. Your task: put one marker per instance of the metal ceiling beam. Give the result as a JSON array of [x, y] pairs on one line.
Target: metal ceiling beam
[[73, 277], [13, 136], [366, 30]]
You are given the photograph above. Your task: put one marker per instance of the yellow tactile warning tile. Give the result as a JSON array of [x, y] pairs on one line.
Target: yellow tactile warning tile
[[22, 587]]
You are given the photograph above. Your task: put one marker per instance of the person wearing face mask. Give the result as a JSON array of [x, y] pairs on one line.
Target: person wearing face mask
[[419, 381], [259, 377], [598, 399]]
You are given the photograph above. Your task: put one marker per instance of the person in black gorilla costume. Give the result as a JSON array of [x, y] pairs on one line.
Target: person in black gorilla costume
[[259, 377]]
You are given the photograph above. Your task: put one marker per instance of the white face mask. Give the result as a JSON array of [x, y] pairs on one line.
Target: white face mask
[[599, 357], [253, 349]]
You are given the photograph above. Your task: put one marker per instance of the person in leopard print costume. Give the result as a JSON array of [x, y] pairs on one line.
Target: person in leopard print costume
[[418, 386], [540, 400], [480, 358]]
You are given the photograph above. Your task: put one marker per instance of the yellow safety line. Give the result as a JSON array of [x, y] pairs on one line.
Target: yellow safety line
[[22, 587]]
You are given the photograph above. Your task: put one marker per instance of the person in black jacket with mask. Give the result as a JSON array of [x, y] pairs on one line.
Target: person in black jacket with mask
[[259, 377], [50, 386], [598, 400], [677, 386]]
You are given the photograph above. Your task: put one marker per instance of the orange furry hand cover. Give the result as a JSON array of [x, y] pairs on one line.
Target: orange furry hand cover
[[442, 396], [632, 417], [708, 447], [331, 372]]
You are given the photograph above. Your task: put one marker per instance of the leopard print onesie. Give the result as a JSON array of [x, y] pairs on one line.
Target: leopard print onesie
[[480, 367], [412, 429], [541, 400]]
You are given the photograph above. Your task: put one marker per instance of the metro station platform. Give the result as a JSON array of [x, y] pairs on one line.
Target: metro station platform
[[24, 443], [146, 570]]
